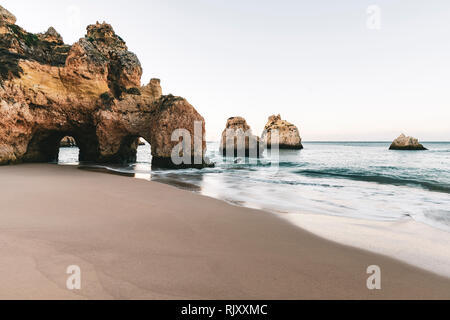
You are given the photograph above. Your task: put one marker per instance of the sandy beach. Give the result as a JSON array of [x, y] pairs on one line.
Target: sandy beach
[[406, 240], [135, 239]]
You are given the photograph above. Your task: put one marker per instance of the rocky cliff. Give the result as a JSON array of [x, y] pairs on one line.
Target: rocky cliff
[[288, 134], [90, 91]]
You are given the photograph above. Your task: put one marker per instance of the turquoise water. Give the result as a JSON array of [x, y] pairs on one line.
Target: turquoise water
[[358, 180]]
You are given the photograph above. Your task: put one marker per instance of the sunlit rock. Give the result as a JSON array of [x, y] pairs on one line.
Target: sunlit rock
[[90, 91], [406, 143], [288, 135], [238, 139]]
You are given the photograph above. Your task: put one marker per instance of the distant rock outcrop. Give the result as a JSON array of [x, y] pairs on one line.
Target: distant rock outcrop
[[91, 91], [406, 143], [239, 137], [68, 142], [289, 136], [141, 142]]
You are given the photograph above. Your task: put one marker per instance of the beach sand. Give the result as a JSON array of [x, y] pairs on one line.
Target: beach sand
[[406, 240], [135, 239]]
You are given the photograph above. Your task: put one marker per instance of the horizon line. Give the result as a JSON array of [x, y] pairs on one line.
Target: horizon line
[[359, 141]]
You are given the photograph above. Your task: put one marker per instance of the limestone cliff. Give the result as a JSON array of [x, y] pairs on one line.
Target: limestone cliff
[[90, 91]]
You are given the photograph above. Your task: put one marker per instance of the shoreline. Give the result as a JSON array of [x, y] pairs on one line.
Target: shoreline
[[406, 240], [397, 239], [133, 241]]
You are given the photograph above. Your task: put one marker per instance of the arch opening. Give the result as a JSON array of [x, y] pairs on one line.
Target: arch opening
[[62, 147], [44, 146], [131, 150], [144, 151], [69, 152]]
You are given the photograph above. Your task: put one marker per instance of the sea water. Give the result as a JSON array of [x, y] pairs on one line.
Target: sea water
[[352, 179]]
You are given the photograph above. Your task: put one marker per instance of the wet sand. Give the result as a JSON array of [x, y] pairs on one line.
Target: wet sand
[[407, 240], [135, 239]]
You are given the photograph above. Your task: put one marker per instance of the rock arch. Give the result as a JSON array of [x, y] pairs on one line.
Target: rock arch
[[44, 145], [90, 90]]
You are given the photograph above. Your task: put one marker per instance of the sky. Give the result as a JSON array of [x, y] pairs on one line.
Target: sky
[[347, 70]]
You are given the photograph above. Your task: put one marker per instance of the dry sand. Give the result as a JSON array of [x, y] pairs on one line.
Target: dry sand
[[135, 239]]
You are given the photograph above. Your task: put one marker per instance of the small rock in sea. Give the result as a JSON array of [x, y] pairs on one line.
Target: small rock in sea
[[141, 142], [68, 142], [406, 143], [238, 135], [289, 136]]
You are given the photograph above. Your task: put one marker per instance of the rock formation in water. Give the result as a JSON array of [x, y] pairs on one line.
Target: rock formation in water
[[90, 91], [289, 136], [406, 143], [68, 142], [238, 136], [141, 142]]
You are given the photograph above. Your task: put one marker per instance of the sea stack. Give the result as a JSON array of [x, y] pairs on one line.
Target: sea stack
[[289, 136], [238, 136], [406, 143], [68, 142]]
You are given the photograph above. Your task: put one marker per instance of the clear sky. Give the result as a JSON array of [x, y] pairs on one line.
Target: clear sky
[[315, 62]]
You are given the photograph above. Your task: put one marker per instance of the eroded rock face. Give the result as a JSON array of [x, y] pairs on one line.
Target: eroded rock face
[[289, 136], [6, 17], [51, 36], [90, 91], [238, 137], [406, 143]]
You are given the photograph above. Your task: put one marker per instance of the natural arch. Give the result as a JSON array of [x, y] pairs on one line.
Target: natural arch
[[90, 91], [45, 144], [156, 123]]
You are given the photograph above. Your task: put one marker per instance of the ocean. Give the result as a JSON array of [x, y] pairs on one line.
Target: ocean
[[352, 179]]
